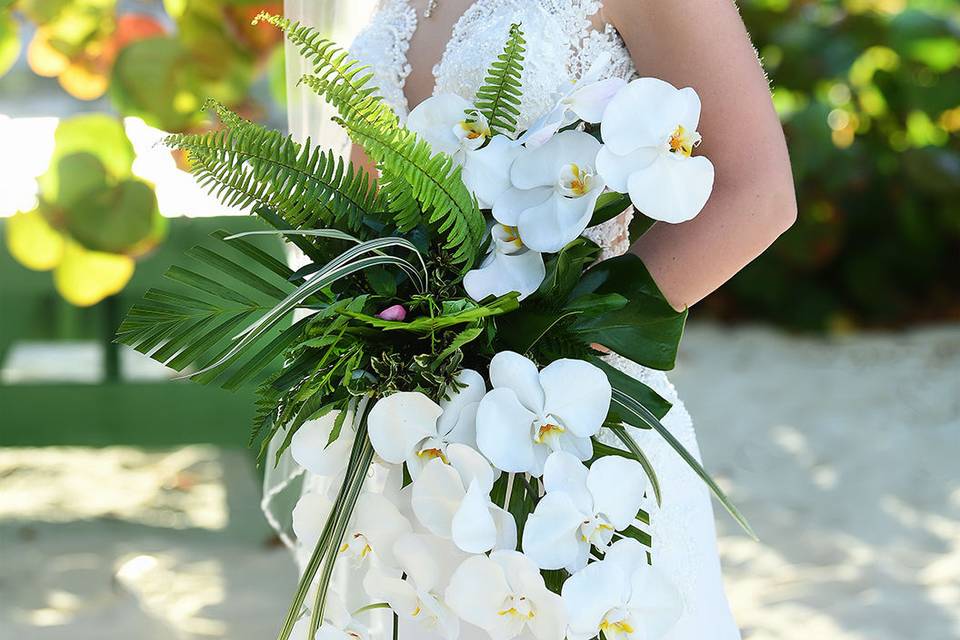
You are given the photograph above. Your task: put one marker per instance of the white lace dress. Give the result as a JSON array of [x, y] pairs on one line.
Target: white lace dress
[[561, 42]]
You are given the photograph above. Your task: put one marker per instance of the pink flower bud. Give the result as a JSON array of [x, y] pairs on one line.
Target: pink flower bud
[[396, 313]]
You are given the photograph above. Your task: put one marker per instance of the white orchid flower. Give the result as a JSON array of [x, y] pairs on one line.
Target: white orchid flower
[[375, 526], [554, 189], [530, 414], [586, 100], [649, 131], [427, 563], [451, 124], [452, 500], [504, 594], [311, 447], [338, 623], [410, 427], [582, 508], [509, 266], [622, 596]]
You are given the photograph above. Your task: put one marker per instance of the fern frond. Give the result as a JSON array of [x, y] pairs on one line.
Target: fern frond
[[419, 186], [498, 99], [249, 165]]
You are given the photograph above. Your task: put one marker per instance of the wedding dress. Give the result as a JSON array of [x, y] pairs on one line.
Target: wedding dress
[[561, 43]]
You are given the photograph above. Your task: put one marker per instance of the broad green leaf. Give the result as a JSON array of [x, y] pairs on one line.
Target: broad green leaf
[[609, 206], [647, 330], [653, 401]]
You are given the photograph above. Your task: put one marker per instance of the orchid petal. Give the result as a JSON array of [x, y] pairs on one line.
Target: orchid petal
[[453, 418], [541, 167], [655, 600], [502, 274], [564, 472], [617, 485], [486, 171], [477, 591], [434, 119], [513, 202], [471, 466], [399, 421], [473, 528], [309, 518], [506, 528], [590, 101], [414, 554], [311, 447], [504, 431], [578, 393], [379, 520], [399, 594], [550, 535], [645, 113], [513, 371], [616, 170], [436, 497], [673, 189], [589, 594], [550, 226]]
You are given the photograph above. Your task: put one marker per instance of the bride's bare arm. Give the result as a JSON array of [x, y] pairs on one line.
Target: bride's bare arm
[[704, 44]]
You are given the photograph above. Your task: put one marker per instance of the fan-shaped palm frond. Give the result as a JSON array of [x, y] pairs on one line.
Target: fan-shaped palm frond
[[192, 323]]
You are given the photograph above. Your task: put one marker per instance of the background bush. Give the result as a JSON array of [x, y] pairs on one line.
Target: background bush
[[869, 94]]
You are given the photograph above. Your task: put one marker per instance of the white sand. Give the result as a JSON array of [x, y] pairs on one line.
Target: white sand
[[842, 453]]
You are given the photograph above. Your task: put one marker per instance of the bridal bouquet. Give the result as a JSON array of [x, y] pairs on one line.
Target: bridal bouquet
[[449, 335]]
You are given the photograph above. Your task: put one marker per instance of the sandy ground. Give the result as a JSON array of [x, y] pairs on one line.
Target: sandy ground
[[843, 454]]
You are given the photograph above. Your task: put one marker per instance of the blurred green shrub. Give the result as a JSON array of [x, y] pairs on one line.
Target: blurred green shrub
[[94, 217], [869, 94]]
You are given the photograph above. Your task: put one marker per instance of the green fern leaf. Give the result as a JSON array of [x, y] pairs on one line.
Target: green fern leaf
[[498, 99], [248, 165]]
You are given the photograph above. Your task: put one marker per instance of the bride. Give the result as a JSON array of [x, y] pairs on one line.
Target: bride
[[417, 48]]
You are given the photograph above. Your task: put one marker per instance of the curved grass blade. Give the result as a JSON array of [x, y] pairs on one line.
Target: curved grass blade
[[641, 412]]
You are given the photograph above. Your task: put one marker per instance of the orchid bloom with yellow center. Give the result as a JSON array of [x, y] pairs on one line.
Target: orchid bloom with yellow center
[[582, 509], [509, 266], [622, 597], [410, 427], [452, 500], [649, 130], [426, 563], [374, 527], [505, 595], [451, 124], [554, 188], [529, 414]]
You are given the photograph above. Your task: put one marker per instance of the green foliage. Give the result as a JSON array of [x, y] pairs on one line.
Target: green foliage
[[419, 187], [498, 99], [868, 97], [196, 322], [308, 188]]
